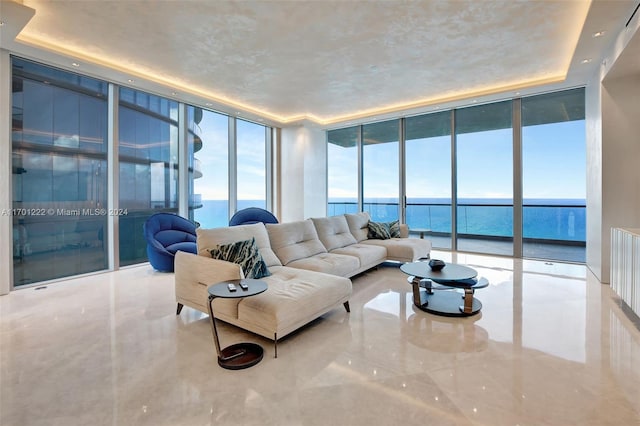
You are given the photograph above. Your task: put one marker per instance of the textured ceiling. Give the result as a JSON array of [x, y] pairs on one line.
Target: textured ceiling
[[328, 61]]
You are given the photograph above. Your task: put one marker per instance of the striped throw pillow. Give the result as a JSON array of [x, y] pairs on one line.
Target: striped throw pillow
[[384, 230]]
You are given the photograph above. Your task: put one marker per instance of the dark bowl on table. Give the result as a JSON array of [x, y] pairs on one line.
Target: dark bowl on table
[[436, 264]]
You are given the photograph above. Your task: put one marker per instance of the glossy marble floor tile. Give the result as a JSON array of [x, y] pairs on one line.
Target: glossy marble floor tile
[[551, 346]]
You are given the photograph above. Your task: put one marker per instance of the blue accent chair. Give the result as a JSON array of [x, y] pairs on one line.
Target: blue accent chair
[[252, 215], [167, 233]]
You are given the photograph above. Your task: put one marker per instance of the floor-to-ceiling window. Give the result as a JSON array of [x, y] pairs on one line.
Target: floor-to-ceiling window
[[428, 177], [251, 165], [208, 137], [148, 156], [554, 176], [60, 167], [380, 170], [472, 158], [484, 172], [59, 173], [342, 170]]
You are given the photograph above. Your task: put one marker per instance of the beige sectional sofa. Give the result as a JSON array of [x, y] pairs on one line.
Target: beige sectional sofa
[[310, 262]]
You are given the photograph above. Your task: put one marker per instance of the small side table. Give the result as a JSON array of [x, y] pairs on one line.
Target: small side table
[[420, 231], [239, 355]]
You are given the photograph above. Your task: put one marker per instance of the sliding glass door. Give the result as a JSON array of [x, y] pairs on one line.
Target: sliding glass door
[[484, 170], [380, 170], [59, 173], [342, 170], [428, 177], [251, 165], [148, 154], [208, 142], [554, 176]]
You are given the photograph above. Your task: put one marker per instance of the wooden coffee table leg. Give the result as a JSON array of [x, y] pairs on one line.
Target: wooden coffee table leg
[[468, 301]]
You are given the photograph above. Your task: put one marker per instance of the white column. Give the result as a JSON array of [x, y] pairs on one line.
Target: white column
[[6, 192], [303, 171]]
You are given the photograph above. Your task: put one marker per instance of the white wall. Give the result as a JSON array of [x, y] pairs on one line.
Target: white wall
[[593, 113], [613, 148], [303, 182], [620, 160]]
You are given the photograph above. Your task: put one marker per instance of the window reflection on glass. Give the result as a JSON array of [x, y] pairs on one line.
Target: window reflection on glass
[[148, 154], [428, 177], [342, 171], [59, 174], [553, 150], [251, 165], [484, 139], [380, 174], [208, 136]]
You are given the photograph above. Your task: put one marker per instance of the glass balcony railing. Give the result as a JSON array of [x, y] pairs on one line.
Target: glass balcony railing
[[552, 223]]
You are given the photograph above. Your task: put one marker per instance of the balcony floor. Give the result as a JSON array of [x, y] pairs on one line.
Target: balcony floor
[[561, 252]]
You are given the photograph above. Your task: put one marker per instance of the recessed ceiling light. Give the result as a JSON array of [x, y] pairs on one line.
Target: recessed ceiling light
[[75, 64], [517, 93], [173, 93], [599, 33], [261, 119], [585, 61], [131, 80], [208, 104], [238, 113], [1, 23]]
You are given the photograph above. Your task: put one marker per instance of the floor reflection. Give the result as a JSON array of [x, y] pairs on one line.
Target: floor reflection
[[551, 346]]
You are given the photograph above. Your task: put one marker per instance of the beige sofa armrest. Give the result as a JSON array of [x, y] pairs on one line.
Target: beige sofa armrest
[[195, 273], [404, 230]]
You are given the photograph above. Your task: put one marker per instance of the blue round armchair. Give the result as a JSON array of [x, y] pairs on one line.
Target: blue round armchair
[[167, 233], [252, 215]]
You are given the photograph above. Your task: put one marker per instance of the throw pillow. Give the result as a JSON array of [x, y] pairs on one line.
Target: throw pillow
[[379, 231], [394, 229], [246, 254], [384, 230]]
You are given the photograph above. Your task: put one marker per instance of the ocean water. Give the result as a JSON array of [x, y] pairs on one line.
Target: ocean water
[[553, 219], [215, 213]]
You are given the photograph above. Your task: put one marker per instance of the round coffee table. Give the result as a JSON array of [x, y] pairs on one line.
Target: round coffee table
[[427, 285], [239, 355]]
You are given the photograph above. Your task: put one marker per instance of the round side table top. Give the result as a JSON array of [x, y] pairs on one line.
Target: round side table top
[[221, 290], [451, 271]]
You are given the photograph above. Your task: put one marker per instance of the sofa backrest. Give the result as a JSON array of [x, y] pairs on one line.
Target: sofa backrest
[[333, 232], [294, 240], [358, 225], [208, 239]]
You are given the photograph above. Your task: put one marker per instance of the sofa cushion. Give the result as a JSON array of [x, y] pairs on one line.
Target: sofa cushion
[[294, 240], [358, 225], [333, 232], [294, 298], [369, 255], [167, 237], [245, 253], [189, 247], [208, 239], [404, 249], [329, 263]]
